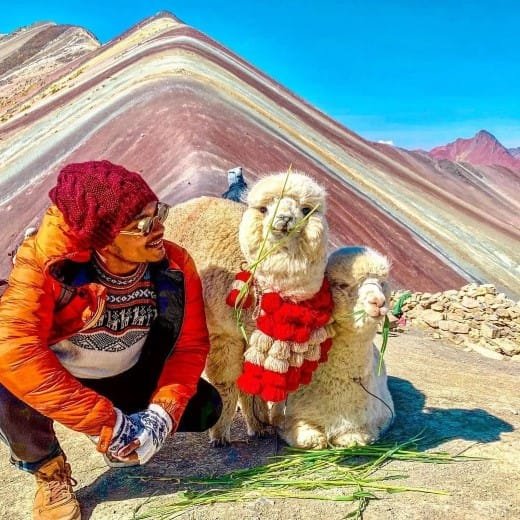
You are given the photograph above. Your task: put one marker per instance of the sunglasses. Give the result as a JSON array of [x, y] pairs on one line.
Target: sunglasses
[[146, 224]]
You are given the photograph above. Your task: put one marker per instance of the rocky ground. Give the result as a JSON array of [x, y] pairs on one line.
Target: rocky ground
[[478, 317], [458, 399]]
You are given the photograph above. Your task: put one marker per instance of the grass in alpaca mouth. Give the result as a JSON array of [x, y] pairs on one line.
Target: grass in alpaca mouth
[[385, 333], [338, 475]]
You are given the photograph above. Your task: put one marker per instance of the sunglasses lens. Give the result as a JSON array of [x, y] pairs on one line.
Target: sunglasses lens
[[145, 225], [148, 226], [162, 211]]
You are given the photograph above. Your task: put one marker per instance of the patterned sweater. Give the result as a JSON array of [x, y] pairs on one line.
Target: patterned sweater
[[113, 344]]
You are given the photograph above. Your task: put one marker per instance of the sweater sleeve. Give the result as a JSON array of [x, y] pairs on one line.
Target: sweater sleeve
[[28, 367], [181, 373]]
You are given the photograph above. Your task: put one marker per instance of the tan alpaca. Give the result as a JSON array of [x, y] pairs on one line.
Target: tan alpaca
[[335, 409], [207, 228]]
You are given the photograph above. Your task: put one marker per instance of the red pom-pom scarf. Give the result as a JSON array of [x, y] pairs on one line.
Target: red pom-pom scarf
[[288, 343], [242, 279]]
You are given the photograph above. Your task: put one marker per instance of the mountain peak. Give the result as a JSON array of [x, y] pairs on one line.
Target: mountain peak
[[481, 149], [484, 134], [168, 14]]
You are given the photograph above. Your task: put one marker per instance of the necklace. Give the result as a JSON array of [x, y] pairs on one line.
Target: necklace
[[115, 281]]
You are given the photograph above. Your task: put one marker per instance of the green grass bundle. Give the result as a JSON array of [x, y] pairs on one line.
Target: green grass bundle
[[337, 475]]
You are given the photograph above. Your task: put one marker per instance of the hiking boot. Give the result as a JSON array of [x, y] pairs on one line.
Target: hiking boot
[[54, 499]]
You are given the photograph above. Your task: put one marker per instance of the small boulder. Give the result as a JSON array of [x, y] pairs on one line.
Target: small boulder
[[431, 318], [487, 330], [508, 347], [444, 325], [469, 303], [457, 327], [502, 313]]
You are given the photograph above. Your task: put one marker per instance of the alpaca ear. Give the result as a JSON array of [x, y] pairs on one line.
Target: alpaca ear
[[372, 263], [354, 264]]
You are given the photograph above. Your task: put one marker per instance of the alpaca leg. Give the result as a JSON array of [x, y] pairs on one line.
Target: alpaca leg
[[255, 412], [354, 438], [370, 410], [223, 367], [220, 434], [300, 433], [364, 429]]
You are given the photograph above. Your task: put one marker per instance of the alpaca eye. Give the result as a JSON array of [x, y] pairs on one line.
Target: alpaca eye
[[262, 209], [306, 210]]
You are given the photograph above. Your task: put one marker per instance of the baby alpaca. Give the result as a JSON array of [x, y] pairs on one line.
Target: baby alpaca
[[336, 408]]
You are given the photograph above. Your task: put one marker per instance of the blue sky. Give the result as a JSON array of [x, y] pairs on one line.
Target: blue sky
[[417, 73]]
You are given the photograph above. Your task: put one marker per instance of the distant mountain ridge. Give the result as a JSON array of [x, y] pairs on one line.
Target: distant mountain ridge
[[31, 57], [515, 152], [481, 149]]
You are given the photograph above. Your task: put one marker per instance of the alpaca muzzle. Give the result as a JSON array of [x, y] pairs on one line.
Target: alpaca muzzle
[[283, 223]]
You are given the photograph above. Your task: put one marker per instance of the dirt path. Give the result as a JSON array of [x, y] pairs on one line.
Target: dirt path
[[458, 399]]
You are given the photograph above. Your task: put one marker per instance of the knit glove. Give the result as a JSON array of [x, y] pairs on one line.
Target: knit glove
[[154, 424], [126, 428]]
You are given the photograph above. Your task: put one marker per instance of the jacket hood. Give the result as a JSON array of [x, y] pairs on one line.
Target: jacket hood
[[56, 241]]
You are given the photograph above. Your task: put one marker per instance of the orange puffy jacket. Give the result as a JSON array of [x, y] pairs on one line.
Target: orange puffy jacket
[[30, 321]]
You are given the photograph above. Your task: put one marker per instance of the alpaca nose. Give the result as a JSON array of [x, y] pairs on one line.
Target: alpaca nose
[[283, 222], [377, 299]]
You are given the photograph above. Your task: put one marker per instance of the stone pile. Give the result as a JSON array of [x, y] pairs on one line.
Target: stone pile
[[475, 317]]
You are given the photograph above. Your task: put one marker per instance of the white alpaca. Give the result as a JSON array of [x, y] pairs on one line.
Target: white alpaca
[[207, 227], [336, 408]]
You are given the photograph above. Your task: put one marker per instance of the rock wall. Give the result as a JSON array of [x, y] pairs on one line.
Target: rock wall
[[476, 317]]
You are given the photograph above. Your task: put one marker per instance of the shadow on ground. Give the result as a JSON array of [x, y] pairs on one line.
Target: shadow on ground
[[189, 454], [436, 425]]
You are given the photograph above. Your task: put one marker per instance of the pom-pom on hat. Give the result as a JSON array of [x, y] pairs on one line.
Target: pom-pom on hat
[[98, 199]]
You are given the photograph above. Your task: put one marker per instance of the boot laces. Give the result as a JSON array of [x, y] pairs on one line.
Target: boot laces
[[60, 484]]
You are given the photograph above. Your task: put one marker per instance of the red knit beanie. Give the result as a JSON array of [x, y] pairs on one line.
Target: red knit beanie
[[98, 199]]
